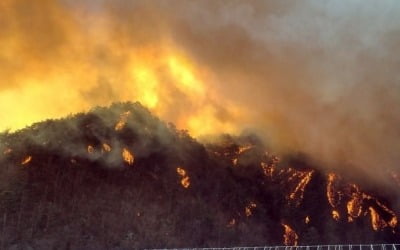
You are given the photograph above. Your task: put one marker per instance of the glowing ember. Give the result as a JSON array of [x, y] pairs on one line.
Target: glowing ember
[[26, 160], [290, 237], [128, 156], [376, 221], [185, 181], [106, 147], [335, 215], [90, 149], [249, 208], [122, 122]]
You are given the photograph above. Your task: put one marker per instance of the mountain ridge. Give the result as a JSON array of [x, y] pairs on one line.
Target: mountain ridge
[[119, 178]]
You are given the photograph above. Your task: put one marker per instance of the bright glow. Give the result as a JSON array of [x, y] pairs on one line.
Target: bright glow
[[26, 160], [127, 156], [106, 147], [290, 237], [335, 215], [90, 149], [185, 180]]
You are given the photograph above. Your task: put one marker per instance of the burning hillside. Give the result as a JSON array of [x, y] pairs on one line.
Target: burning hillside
[[120, 178], [318, 77]]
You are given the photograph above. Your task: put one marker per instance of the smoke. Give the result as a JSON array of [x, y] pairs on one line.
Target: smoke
[[320, 77]]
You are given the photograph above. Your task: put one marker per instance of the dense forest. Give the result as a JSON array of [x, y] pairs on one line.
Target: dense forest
[[119, 178]]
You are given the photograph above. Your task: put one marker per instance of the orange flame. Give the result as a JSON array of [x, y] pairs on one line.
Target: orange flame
[[26, 160], [267, 169], [235, 161], [185, 181], [127, 156], [354, 205], [90, 149], [122, 122], [298, 193], [249, 209], [290, 237], [335, 215], [332, 194], [245, 148], [393, 221], [181, 172], [376, 221], [106, 147]]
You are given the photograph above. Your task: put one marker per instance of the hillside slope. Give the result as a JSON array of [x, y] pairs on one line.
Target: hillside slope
[[119, 178]]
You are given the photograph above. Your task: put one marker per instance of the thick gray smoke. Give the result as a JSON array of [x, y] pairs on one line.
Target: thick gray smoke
[[315, 76], [320, 77]]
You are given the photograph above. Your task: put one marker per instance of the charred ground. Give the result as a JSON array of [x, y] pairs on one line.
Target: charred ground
[[119, 178]]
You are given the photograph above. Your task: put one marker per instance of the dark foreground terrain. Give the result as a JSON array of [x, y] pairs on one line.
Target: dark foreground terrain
[[119, 178]]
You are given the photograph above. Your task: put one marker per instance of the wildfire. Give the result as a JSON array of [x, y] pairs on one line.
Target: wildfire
[[235, 161], [241, 150], [127, 156], [185, 180], [267, 169], [376, 221], [354, 208], [393, 221], [333, 196], [150, 74], [122, 122], [335, 215], [290, 237], [26, 160], [106, 147], [90, 149], [249, 208], [181, 172], [298, 193], [244, 148], [354, 205]]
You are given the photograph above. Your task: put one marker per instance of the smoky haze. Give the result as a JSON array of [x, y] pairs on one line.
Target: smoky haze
[[319, 77]]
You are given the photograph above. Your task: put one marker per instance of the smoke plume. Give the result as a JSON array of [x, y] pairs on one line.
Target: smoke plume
[[320, 77]]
